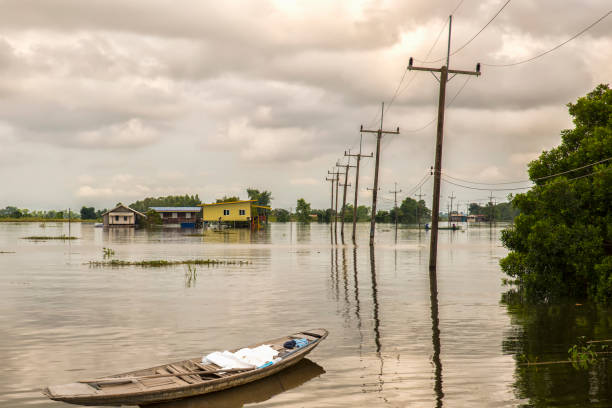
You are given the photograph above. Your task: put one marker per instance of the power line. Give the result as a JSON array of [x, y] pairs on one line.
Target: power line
[[471, 39], [397, 89], [482, 29], [484, 189], [554, 48], [535, 179], [486, 184], [524, 188], [448, 105]]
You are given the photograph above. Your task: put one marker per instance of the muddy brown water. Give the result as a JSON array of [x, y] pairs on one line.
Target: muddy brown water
[[396, 338]]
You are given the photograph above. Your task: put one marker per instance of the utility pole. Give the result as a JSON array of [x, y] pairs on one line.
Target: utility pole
[[358, 156], [444, 71], [337, 181], [452, 197], [69, 222], [395, 200], [492, 207], [347, 166], [331, 207], [418, 219], [379, 134]]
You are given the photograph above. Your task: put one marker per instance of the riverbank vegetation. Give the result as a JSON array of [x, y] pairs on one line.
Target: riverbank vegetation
[[561, 243]]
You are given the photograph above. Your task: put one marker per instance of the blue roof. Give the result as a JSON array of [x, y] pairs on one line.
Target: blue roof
[[176, 209]]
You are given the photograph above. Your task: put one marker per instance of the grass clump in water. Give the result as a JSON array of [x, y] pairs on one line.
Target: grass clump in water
[[45, 238], [158, 263]]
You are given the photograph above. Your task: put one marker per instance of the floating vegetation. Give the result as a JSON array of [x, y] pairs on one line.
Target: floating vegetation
[[44, 238], [582, 356], [8, 252], [190, 276], [108, 252], [162, 263]]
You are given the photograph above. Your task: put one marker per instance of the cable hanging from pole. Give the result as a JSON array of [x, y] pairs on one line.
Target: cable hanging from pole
[[554, 48], [456, 51], [530, 180]]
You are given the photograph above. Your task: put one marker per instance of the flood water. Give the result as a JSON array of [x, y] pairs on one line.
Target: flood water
[[397, 338]]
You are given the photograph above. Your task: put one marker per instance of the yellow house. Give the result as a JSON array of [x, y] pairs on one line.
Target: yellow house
[[246, 212]]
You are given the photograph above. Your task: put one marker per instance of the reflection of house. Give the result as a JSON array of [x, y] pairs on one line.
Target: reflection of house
[[184, 217], [477, 218], [122, 216], [240, 213]]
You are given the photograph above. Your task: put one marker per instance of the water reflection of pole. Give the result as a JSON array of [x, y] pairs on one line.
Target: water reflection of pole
[[356, 282], [331, 265], [376, 318], [345, 280], [337, 282], [435, 336]]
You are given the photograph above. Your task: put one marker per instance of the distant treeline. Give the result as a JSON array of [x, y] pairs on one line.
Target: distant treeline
[[18, 213], [406, 213], [500, 212]]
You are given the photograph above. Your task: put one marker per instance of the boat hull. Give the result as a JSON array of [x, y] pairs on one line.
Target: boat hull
[[148, 396]]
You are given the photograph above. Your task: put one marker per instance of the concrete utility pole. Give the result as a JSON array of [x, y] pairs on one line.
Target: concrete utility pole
[[418, 219], [452, 197], [358, 156], [395, 200], [444, 71], [346, 166], [379, 134]]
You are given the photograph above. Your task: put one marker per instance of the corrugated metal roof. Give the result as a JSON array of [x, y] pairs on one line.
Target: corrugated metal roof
[[176, 209]]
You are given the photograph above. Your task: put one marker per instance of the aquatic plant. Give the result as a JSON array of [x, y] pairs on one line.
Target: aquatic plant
[[582, 356], [45, 238], [163, 263], [108, 252], [191, 275]]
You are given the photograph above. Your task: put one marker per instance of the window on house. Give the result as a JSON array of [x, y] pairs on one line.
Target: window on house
[[116, 218], [225, 212], [242, 212], [187, 215], [124, 218]]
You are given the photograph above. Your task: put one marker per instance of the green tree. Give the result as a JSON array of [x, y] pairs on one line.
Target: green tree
[[153, 218], [302, 210], [88, 213], [227, 199], [561, 243], [263, 197], [383, 216], [407, 211], [281, 214]]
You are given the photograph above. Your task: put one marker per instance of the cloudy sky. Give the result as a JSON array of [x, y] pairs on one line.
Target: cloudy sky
[[104, 101]]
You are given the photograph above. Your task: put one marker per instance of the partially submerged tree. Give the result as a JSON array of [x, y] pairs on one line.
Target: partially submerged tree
[[281, 214], [561, 243], [263, 197], [302, 210]]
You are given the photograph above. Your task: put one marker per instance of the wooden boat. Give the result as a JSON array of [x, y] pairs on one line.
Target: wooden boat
[[180, 379]]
